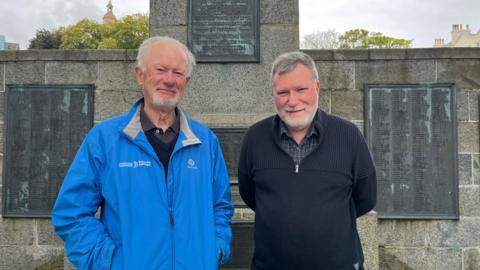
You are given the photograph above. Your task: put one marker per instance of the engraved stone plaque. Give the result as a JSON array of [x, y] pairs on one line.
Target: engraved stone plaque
[[224, 30], [45, 125], [231, 142], [411, 132], [242, 246]]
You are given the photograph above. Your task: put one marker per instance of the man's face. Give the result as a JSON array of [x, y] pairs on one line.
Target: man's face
[[296, 97], [165, 76]]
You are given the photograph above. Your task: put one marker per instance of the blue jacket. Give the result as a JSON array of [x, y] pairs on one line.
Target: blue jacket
[[147, 221]]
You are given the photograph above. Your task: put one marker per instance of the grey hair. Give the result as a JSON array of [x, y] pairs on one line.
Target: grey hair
[[288, 61], [147, 43]]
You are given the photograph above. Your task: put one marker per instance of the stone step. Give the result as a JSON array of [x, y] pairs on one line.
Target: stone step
[[236, 198]]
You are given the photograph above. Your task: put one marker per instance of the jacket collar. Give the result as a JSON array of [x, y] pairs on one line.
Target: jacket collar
[[134, 127]]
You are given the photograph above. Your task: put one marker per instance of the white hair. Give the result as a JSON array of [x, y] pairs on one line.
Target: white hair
[[147, 43]]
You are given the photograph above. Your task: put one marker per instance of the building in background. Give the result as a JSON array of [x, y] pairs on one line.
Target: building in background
[[109, 18], [460, 38], [9, 46], [2, 42]]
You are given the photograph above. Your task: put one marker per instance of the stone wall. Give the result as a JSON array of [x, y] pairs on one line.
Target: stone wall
[[244, 87], [237, 95], [27, 243], [30, 243], [417, 244]]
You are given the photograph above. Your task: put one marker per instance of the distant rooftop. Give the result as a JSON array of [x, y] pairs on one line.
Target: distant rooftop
[[461, 37], [4, 45]]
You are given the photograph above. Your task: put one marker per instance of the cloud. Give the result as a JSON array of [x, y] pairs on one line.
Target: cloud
[[69, 12], [19, 19], [422, 21]]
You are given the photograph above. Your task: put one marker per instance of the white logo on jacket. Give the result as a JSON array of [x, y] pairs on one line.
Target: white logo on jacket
[[191, 164], [135, 164]]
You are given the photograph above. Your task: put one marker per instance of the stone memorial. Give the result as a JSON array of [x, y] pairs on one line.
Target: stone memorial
[[411, 132], [224, 31], [45, 125], [231, 142]]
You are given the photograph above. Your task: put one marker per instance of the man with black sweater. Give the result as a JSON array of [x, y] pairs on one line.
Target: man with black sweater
[[307, 175]]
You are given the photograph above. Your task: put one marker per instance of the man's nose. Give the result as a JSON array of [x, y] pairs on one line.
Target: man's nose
[[292, 99], [169, 78]]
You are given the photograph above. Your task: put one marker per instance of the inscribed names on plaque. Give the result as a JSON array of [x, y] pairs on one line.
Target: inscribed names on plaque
[[231, 142], [224, 30], [45, 125], [411, 132]]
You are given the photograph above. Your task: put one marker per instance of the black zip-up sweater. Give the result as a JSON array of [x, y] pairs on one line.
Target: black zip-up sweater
[[307, 219]]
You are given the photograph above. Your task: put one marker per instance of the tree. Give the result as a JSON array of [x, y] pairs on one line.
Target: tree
[[320, 40], [85, 34], [127, 33], [353, 39], [361, 38], [46, 39], [130, 31], [108, 43], [378, 40]]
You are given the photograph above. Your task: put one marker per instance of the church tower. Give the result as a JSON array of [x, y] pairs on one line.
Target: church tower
[[109, 19]]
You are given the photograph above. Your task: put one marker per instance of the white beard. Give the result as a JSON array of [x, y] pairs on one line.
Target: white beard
[[296, 123], [165, 104]]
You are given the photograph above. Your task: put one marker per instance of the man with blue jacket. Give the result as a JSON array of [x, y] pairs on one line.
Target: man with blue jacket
[[158, 176]]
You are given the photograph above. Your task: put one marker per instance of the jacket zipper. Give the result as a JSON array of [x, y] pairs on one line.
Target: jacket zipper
[[170, 210], [172, 223]]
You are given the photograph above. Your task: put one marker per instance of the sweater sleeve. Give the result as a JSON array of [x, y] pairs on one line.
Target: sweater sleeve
[[245, 181], [365, 181]]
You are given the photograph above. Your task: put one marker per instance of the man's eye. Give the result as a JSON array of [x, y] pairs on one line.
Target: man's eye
[[302, 89], [282, 93]]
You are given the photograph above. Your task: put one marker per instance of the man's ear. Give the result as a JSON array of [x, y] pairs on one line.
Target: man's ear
[[139, 75], [317, 87]]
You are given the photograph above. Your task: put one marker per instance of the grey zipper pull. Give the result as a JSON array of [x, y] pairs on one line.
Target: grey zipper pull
[[296, 168], [172, 222]]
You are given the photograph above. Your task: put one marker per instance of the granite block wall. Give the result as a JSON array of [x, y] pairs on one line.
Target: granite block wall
[[237, 95], [244, 87], [411, 244], [417, 244], [30, 243]]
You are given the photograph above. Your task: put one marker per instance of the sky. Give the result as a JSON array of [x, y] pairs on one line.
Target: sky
[[19, 19], [419, 20]]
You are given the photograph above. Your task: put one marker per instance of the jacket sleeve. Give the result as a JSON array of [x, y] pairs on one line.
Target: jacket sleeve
[[245, 181], [365, 181], [222, 205], [87, 244]]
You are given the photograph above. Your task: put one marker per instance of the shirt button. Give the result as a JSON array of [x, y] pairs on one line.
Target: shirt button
[[157, 131]]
